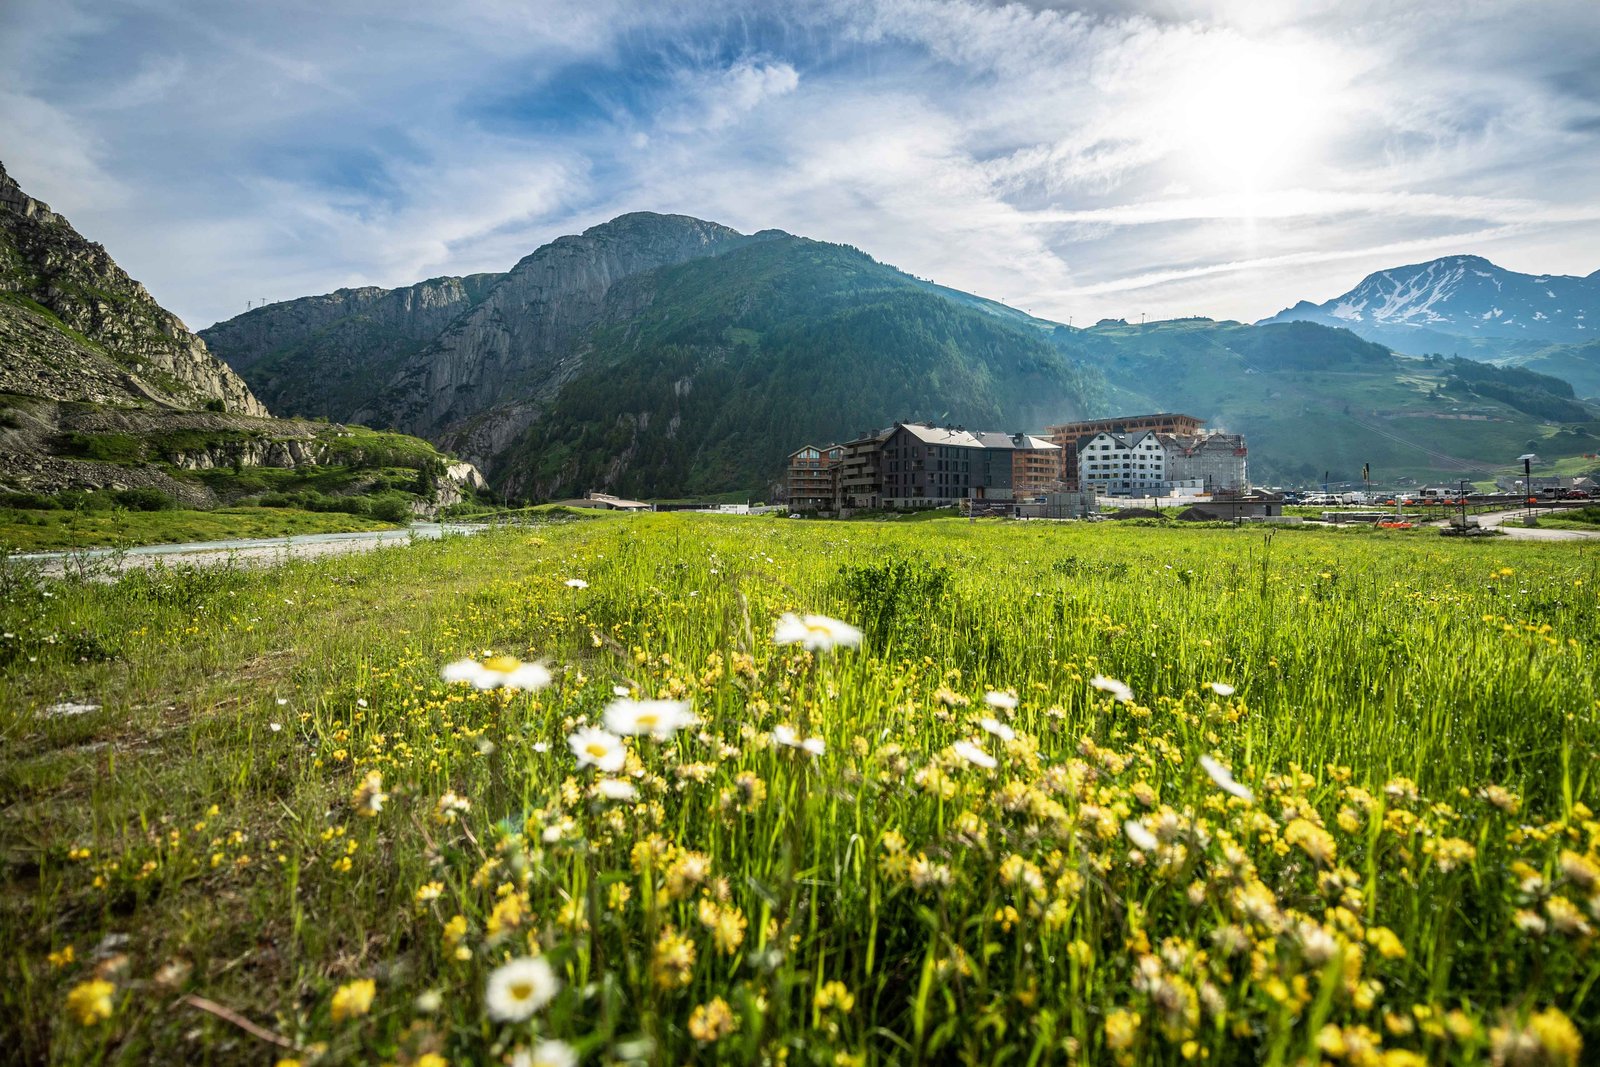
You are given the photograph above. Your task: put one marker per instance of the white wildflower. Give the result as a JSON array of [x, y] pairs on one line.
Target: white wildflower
[[1141, 837], [786, 736], [616, 789], [1224, 779], [599, 749], [998, 728], [551, 1053], [1119, 691], [816, 633], [658, 718], [520, 987], [507, 671], [973, 754]]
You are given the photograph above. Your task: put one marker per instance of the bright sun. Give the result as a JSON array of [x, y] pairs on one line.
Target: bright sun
[[1249, 117]]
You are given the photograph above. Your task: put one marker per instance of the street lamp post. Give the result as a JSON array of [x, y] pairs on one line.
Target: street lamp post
[[1527, 484]]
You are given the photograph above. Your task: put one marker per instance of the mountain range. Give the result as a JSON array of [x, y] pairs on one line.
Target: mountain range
[[656, 353], [1466, 305], [664, 355]]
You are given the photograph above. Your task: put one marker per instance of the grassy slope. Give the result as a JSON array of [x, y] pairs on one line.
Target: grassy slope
[[224, 848], [33, 531], [740, 358]]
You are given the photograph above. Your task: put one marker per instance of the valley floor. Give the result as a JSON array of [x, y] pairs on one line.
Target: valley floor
[[1084, 793]]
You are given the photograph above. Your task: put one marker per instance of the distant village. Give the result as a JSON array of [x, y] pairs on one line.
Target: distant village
[[1059, 474]]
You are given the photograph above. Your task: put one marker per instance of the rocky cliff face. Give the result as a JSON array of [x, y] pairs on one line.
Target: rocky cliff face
[[481, 382], [327, 356], [74, 326]]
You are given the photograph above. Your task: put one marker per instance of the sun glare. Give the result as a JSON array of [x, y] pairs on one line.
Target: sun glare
[[1249, 117]]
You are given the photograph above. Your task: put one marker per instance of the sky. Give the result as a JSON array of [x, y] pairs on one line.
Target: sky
[[1103, 159]]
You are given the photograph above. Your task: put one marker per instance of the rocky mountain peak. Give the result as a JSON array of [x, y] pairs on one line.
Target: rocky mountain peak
[[1422, 306], [75, 326], [14, 200]]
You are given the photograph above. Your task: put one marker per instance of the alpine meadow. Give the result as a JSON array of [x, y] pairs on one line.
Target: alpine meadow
[[1001, 793]]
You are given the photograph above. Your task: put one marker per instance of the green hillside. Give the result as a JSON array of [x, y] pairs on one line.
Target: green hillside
[[1312, 399], [740, 358], [1577, 364]]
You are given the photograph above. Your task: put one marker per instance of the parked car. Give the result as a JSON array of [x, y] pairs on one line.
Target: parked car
[[1574, 494]]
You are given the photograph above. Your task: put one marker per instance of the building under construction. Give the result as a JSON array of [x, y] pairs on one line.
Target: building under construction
[[1069, 434]]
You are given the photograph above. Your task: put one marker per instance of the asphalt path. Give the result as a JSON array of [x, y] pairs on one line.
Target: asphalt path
[[1498, 520], [255, 551]]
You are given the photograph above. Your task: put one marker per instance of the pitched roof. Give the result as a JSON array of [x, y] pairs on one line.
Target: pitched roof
[[941, 435], [963, 438]]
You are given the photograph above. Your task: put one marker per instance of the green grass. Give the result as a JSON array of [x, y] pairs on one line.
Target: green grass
[[1587, 518], [27, 530], [1416, 720]]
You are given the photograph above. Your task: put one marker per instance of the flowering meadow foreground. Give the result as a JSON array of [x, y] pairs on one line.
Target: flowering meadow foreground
[[670, 789]]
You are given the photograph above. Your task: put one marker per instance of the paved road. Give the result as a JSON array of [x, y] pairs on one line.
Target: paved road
[[260, 551], [1498, 519]]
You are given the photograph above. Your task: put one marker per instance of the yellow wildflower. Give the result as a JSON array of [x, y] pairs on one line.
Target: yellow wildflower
[[1548, 1040], [90, 1002], [712, 1022], [353, 999], [1313, 840], [672, 965], [834, 995], [1384, 940]]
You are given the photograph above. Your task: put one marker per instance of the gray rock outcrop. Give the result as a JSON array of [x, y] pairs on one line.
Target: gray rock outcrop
[[75, 326]]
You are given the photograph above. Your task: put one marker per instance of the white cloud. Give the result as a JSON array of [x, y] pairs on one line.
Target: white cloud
[[1195, 156], [720, 98]]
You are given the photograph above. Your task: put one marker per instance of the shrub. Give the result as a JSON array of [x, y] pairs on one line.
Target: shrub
[[392, 507], [106, 447], [31, 501]]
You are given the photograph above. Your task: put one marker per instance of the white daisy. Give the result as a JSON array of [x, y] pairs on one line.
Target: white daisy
[[599, 749], [520, 987], [620, 690], [1222, 689], [551, 1053], [496, 671], [658, 718], [616, 789], [998, 728], [786, 736], [1118, 690], [1224, 779], [973, 754], [997, 699], [1141, 837], [816, 633], [577, 583]]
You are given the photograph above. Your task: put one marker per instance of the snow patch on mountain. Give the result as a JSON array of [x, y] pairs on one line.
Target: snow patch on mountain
[[1456, 295]]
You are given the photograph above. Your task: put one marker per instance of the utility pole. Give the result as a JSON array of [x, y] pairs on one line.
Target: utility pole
[[1527, 485]]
